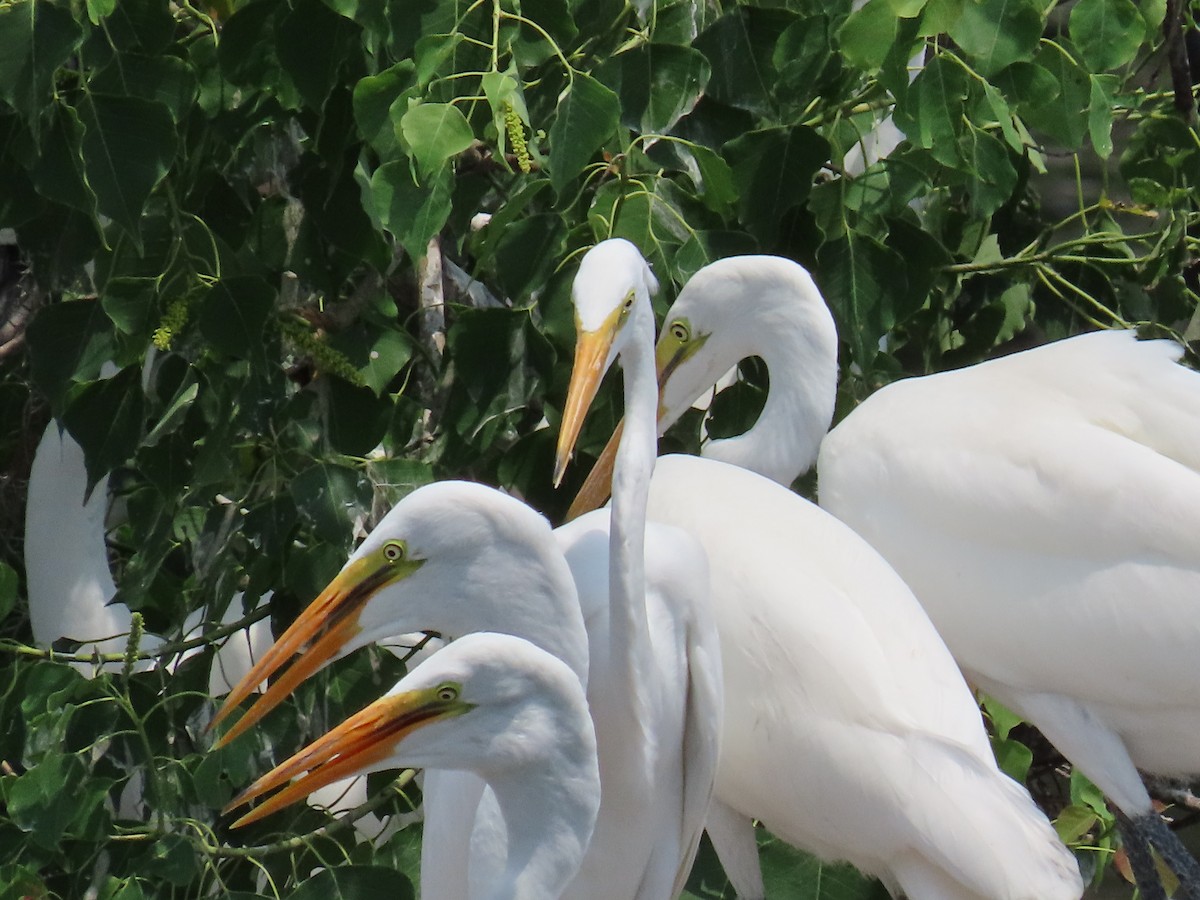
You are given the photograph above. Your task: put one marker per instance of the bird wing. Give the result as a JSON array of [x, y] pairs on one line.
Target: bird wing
[[1047, 504]]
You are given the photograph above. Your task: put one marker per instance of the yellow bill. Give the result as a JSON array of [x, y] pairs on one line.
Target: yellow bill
[[591, 357]]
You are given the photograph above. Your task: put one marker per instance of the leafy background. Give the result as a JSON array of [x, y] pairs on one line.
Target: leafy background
[[265, 214]]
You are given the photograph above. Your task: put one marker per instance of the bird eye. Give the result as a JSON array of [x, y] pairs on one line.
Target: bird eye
[[679, 331], [393, 551], [629, 298], [447, 693]]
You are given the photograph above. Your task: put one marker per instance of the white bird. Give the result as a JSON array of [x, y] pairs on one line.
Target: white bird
[[650, 628], [499, 707], [849, 730], [1045, 507], [71, 594]]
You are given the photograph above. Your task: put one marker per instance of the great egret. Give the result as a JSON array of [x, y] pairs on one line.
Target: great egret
[[71, 594], [451, 557], [836, 682], [499, 707], [658, 648], [1045, 506]]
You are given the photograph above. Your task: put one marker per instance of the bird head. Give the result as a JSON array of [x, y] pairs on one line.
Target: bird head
[[417, 570], [611, 290], [485, 703]]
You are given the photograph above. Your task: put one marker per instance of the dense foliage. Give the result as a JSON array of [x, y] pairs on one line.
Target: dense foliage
[[265, 214]]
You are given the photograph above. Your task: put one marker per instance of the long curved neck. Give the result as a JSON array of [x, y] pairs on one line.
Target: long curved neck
[[549, 814], [628, 626], [798, 342]]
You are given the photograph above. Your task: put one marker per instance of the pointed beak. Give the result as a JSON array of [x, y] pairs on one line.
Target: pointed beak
[[598, 485], [358, 744], [591, 354], [319, 634]]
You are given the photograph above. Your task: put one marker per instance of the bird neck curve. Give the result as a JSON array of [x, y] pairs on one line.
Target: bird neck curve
[[634, 466], [797, 339], [549, 809]]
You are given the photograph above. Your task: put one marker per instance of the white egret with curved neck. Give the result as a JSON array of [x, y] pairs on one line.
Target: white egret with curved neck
[[837, 683], [650, 627], [501, 708]]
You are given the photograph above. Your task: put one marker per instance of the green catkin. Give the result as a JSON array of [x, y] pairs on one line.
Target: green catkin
[[324, 357], [516, 138], [172, 323], [136, 624]]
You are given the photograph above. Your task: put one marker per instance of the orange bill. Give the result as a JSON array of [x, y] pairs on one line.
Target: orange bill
[[319, 634], [360, 743], [591, 355]]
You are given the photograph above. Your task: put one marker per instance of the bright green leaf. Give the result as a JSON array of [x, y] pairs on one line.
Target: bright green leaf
[[435, 132], [413, 213], [998, 33], [1108, 33], [868, 35], [1074, 822], [1100, 114]]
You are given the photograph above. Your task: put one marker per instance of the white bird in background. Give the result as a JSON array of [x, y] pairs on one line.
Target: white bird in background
[[1045, 507], [650, 628], [836, 682], [71, 594], [494, 705]]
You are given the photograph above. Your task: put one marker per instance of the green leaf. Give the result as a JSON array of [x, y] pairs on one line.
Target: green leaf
[[932, 113], [355, 883], [740, 48], [42, 802], [413, 213], [586, 117], [374, 97], [36, 38], [105, 418], [1107, 33], [527, 252], [1100, 114], [313, 43], [1074, 822], [660, 84], [68, 342], [712, 177], [130, 303], [773, 170], [8, 589], [868, 34], [865, 285], [58, 173], [998, 33], [1064, 114], [431, 51], [172, 417], [330, 496], [434, 133], [165, 79], [1013, 758], [128, 147], [234, 314], [355, 417]]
